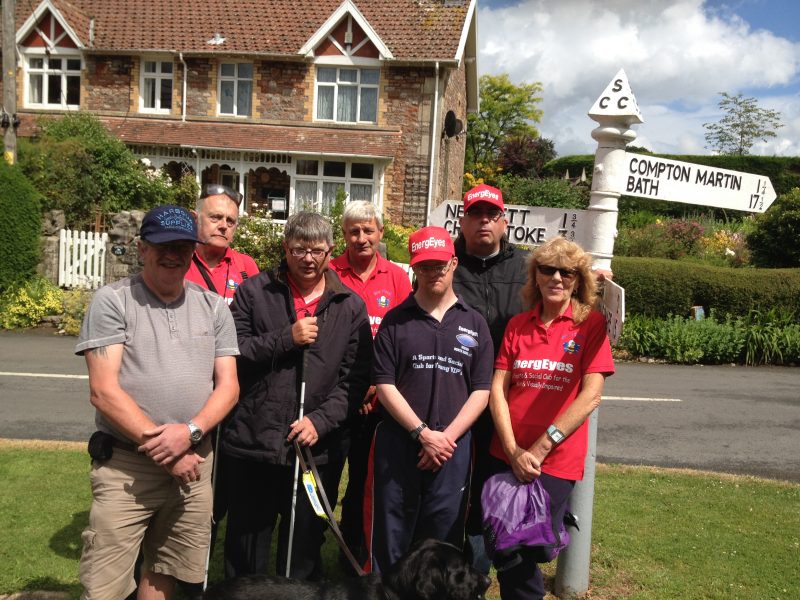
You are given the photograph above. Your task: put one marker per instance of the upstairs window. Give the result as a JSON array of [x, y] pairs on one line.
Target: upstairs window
[[347, 95], [157, 86], [54, 82], [235, 89]]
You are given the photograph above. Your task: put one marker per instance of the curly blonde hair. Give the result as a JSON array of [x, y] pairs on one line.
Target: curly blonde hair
[[560, 252]]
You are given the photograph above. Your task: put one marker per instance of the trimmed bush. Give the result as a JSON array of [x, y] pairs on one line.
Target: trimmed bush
[[20, 227], [774, 240], [661, 287]]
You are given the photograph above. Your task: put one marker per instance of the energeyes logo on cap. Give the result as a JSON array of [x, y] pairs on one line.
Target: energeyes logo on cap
[[164, 224], [484, 193], [430, 243]]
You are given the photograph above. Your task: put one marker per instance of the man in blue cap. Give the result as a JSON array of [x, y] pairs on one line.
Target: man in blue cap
[[162, 372]]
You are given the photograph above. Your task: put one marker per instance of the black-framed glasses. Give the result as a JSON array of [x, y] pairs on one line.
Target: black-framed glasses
[[550, 271], [432, 270], [217, 189], [316, 253], [493, 214]]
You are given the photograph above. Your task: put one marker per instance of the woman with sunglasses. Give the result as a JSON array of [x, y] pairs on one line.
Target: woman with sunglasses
[[549, 376]]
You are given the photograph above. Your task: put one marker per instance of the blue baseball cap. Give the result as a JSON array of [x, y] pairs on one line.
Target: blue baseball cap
[[168, 223]]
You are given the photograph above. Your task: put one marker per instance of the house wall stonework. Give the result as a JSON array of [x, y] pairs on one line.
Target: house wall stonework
[[451, 150], [283, 91], [201, 92], [408, 96], [108, 83]]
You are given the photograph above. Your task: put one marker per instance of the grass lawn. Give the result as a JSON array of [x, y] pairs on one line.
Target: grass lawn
[[658, 533]]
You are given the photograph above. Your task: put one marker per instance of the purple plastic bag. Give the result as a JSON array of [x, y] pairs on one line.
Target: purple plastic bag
[[517, 515]]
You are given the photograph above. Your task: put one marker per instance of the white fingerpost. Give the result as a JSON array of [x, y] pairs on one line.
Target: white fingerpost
[[615, 111]]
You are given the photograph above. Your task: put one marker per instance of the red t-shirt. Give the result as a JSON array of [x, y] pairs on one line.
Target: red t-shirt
[[227, 275], [547, 366], [386, 287]]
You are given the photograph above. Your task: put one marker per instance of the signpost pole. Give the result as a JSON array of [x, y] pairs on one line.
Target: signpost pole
[[615, 111]]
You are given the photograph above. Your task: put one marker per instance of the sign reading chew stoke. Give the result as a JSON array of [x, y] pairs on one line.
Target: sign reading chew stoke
[[527, 225], [664, 179]]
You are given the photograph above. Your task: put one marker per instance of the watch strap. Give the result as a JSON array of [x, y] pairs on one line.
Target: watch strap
[[555, 434], [414, 433]]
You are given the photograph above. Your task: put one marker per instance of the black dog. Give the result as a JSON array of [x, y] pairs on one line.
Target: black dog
[[433, 570]]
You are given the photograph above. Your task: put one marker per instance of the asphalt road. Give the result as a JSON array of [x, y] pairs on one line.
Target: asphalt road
[[722, 418]]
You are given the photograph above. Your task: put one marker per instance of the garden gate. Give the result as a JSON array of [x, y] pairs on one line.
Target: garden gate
[[81, 259]]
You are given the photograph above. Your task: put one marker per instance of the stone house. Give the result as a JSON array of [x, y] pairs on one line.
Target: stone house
[[285, 100]]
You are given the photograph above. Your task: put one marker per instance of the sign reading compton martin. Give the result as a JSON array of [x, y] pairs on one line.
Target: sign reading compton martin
[[664, 179], [527, 225]]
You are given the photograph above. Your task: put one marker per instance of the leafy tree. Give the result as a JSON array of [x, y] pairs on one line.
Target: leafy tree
[[743, 124], [525, 156], [80, 168], [506, 111], [773, 242]]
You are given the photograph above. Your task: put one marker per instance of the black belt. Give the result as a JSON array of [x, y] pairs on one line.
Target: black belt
[[117, 443]]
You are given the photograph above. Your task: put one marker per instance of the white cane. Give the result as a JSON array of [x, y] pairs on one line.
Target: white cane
[[296, 469]]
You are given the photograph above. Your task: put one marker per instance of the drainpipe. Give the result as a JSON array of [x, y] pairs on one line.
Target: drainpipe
[[183, 97], [433, 146]]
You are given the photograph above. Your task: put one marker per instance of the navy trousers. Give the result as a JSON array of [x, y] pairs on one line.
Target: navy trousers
[[404, 504], [258, 494]]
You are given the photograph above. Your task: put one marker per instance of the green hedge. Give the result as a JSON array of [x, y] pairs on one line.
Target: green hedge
[[20, 227], [658, 287]]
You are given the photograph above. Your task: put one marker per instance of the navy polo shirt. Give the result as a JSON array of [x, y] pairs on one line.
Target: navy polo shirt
[[435, 366]]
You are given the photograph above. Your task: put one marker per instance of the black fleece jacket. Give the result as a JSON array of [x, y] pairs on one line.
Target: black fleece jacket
[[492, 286], [335, 368]]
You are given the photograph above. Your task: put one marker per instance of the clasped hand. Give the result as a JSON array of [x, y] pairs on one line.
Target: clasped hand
[[304, 331], [436, 449]]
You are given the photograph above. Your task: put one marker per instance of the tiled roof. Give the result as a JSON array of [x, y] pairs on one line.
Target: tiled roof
[[246, 136], [412, 29]]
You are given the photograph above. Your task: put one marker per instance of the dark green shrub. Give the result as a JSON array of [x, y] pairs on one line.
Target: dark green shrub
[[774, 240], [557, 193], [20, 227], [660, 287]]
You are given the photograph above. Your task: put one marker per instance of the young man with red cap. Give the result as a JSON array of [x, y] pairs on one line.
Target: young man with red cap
[[490, 277], [432, 368]]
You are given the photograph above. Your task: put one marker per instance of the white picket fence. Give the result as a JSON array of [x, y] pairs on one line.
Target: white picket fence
[[81, 259]]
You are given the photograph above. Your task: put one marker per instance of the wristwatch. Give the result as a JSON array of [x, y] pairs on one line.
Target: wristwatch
[[195, 433], [415, 432], [555, 434]]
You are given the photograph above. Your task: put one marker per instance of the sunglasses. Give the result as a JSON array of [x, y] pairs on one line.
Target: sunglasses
[[215, 189], [432, 270], [493, 214], [550, 271]]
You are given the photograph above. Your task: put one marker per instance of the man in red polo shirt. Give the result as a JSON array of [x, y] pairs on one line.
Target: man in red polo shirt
[[382, 285], [215, 265]]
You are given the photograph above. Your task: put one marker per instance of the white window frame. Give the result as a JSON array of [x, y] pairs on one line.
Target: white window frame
[[340, 83], [235, 79], [46, 72], [158, 76], [320, 179]]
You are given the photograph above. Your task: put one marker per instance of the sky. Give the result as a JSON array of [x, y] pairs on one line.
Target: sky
[[678, 56]]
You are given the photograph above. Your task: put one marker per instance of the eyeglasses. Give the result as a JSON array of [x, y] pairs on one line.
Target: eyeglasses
[[316, 253], [493, 214], [215, 189], [433, 269], [550, 271]]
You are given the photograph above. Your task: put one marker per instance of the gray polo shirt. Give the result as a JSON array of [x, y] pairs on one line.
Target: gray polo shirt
[[168, 358]]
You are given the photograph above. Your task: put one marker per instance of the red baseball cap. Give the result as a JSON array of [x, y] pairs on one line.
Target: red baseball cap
[[430, 243], [484, 193]]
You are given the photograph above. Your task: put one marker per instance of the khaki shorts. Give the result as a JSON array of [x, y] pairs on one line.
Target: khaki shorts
[[137, 503]]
